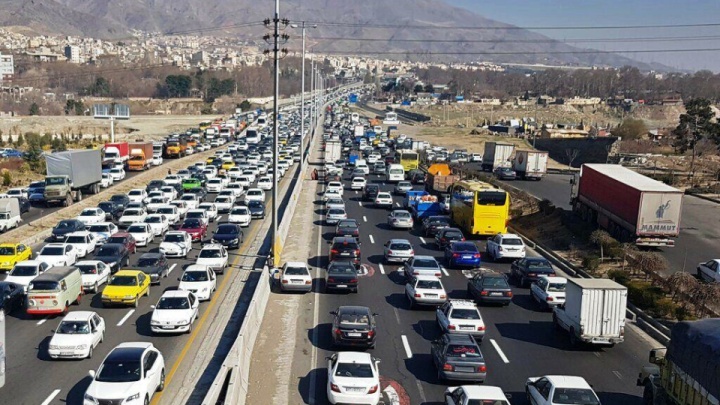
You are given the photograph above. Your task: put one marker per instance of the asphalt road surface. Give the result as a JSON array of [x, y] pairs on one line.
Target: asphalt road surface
[[520, 341]]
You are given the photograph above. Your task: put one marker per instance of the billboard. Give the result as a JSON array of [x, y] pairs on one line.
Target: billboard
[[353, 98]]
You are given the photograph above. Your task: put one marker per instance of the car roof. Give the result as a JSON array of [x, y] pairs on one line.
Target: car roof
[[213, 246], [56, 244], [353, 309], [175, 293], [128, 272], [197, 267], [485, 392], [509, 235], [425, 257], [426, 277], [462, 304], [344, 239], [29, 262], [128, 351], [354, 357], [568, 381], [296, 264], [460, 338], [399, 241], [78, 316], [152, 255]]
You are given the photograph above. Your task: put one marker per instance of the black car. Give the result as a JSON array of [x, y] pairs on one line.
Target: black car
[[371, 191], [154, 265], [458, 358], [121, 200], [490, 287], [115, 255], [36, 187], [348, 227], [155, 185], [447, 235], [353, 326], [341, 275], [12, 297], [112, 210], [257, 209], [24, 204], [416, 176], [528, 270], [345, 248], [65, 227], [230, 235], [431, 225]]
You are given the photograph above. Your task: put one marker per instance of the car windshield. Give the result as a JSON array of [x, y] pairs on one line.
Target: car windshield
[[73, 328], [24, 271], [195, 276], [465, 247], [166, 210], [254, 192], [132, 212], [157, 200], [425, 263], [119, 371], [296, 271], [239, 211], [222, 229], [539, 266], [556, 287], [135, 192], [495, 282], [465, 313], [575, 396], [188, 197], [217, 200], [353, 318], [384, 195], [192, 223], [255, 204], [147, 261], [65, 225], [108, 251], [87, 269], [336, 211], [55, 181], [196, 214], [136, 229], [106, 206], [52, 251], [354, 370], [512, 241], [347, 224], [429, 284], [400, 246], [463, 351], [88, 213], [75, 239], [210, 254], [124, 281], [153, 220], [341, 268], [173, 303], [402, 214]]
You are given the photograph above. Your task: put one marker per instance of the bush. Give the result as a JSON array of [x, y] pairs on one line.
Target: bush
[[6, 177], [644, 295], [620, 276], [546, 206], [591, 263], [663, 308], [683, 314]]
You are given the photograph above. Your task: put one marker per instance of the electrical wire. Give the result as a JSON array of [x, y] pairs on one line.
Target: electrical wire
[[508, 27], [520, 53], [528, 41]]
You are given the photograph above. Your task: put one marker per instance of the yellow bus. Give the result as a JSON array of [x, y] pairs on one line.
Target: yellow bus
[[479, 208], [409, 159], [204, 125]]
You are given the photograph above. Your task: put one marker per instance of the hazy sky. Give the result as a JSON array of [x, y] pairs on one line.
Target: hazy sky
[[563, 13]]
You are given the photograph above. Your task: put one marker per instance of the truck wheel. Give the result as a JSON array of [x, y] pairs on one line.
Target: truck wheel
[[648, 394], [79, 195]]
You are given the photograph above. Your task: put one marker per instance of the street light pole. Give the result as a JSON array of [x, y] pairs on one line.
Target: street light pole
[[312, 94], [302, 90], [276, 141]]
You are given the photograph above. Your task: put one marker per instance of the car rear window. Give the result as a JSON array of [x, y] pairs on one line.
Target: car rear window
[[453, 235], [429, 284], [463, 351], [400, 246], [353, 370], [465, 313], [296, 271], [512, 241], [495, 282], [556, 287], [465, 247], [345, 245], [425, 263]]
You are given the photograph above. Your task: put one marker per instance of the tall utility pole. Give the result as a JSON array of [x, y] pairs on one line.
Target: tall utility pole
[[312, 92], [302, 91]]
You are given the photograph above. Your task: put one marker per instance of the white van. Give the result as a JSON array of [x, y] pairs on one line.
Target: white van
[[54, 291], [252, 136], [395, 173], [362, 164]]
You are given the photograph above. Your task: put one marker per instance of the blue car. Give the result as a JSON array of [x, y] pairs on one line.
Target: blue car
[[462, 254]]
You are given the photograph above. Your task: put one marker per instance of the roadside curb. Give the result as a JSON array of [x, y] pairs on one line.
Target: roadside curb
[[703, 197]]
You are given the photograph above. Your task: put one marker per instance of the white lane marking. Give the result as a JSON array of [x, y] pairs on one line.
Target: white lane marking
[[422, 240], [406, 345], [218, 218], [617, 374], [50, 397], [360, 203], [125, 318], [171, 268], [42, 321], [356, 191], [422, 392], [596, 354], [397, 203], [382, 268], [371, 239], [500, 352], [364, 218], [397, 315], [445, 272]]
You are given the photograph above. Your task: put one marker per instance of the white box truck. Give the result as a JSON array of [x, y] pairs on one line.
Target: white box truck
[[496, 154], [594, 311], [9, 214], [530, 164]]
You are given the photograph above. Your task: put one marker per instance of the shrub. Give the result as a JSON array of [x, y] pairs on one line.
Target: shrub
[[620, 276], [591, 263], [6, 177], [644, 294]]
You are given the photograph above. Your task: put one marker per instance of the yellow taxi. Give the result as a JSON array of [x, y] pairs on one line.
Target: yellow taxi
[[11, 253], [125, 288], [210, 160], [228, 165]]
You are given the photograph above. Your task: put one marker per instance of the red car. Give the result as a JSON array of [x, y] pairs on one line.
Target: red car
[[195, 227], [124, 239]]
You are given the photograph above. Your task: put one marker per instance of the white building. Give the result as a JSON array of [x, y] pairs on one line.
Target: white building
[[72, 53], [7, 68]]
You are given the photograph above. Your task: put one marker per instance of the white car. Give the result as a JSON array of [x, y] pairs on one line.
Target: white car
[[425, 290], [709, 271], [182, 207], [91, 216], [560, 389], [334, 215], [214, 185], [57, 254], [102, 231], [94, 274], [505, 246], [250, 174], [200, 280], [142, 232], [210, 209], [475, 394], [155, 203], [25, 271], [138, 195], [171, 213], [106, 180], [191, 200], [176, 244], [353, 378], [215, 256], [224, 203], [549, 291], [335, 185], [358, 183], [84, 242], [295, 276], [335, 203], [142, 370], [234, 172], [157, 160], [239, 215], [461, 316], [117, 174], [210, 172], [78, 334], [265, 183], [169, 192], [331, 194], [132, 216], [172, 179], [244, 181], [255, 194], [175, 311], [383, 199], [236, 188]]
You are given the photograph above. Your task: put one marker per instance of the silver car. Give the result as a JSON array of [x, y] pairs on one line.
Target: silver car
[[335, 203], [422, 266], [403, 187], [334, 215], [398, 250], [401, 219]]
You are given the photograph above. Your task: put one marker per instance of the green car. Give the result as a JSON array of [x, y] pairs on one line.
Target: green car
[[191, 184]]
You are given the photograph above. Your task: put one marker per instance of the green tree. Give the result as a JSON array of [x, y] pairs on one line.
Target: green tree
[[34, 109], [6, 177], [101, 87], [418, 88], [368, 77], [429, 88], [695, 125], [176, 86], [631, 129], [33, 157], [245, 105], [20, 140]]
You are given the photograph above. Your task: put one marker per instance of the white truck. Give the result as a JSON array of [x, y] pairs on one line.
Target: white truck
[[359, 130], [333, 151], [594, 311], [496, 154], [9, 214], [530, 164]]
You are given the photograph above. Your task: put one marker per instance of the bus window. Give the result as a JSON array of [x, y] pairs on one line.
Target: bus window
[[492, 198]]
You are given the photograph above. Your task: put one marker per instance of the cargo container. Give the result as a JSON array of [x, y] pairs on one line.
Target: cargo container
[[530, 164], [333, 151], [439, 178], [176, 148], [687, 371], [594, 311], [118, 151], [496, 154], [141, 155], [630, 206], [72, 173]]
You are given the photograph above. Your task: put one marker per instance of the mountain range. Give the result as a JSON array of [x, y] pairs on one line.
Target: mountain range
[[418, 29]]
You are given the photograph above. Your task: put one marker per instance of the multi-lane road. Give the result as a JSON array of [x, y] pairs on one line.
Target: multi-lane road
[[520, 341]]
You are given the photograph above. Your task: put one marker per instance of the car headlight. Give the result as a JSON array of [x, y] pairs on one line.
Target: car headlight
[[90, 398], [81, 347], [236, 240], [132, 397], [129, 297], [154, 322], [181, 323], [54, 347]]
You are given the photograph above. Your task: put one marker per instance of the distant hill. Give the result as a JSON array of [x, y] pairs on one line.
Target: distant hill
[[351, 19]]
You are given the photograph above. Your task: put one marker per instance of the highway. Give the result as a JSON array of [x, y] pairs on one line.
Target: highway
[[520, 341], [66, 381]]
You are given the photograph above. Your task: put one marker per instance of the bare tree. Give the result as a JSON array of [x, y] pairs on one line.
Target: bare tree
[[603, 240], [680, 284], [571, 154]]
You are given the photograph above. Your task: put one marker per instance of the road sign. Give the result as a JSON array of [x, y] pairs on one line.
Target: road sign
[[353, 98], [114, 111]]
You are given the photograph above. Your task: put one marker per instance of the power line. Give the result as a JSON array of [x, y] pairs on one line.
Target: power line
[[509, 27], [529, 41], [586, 51]]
